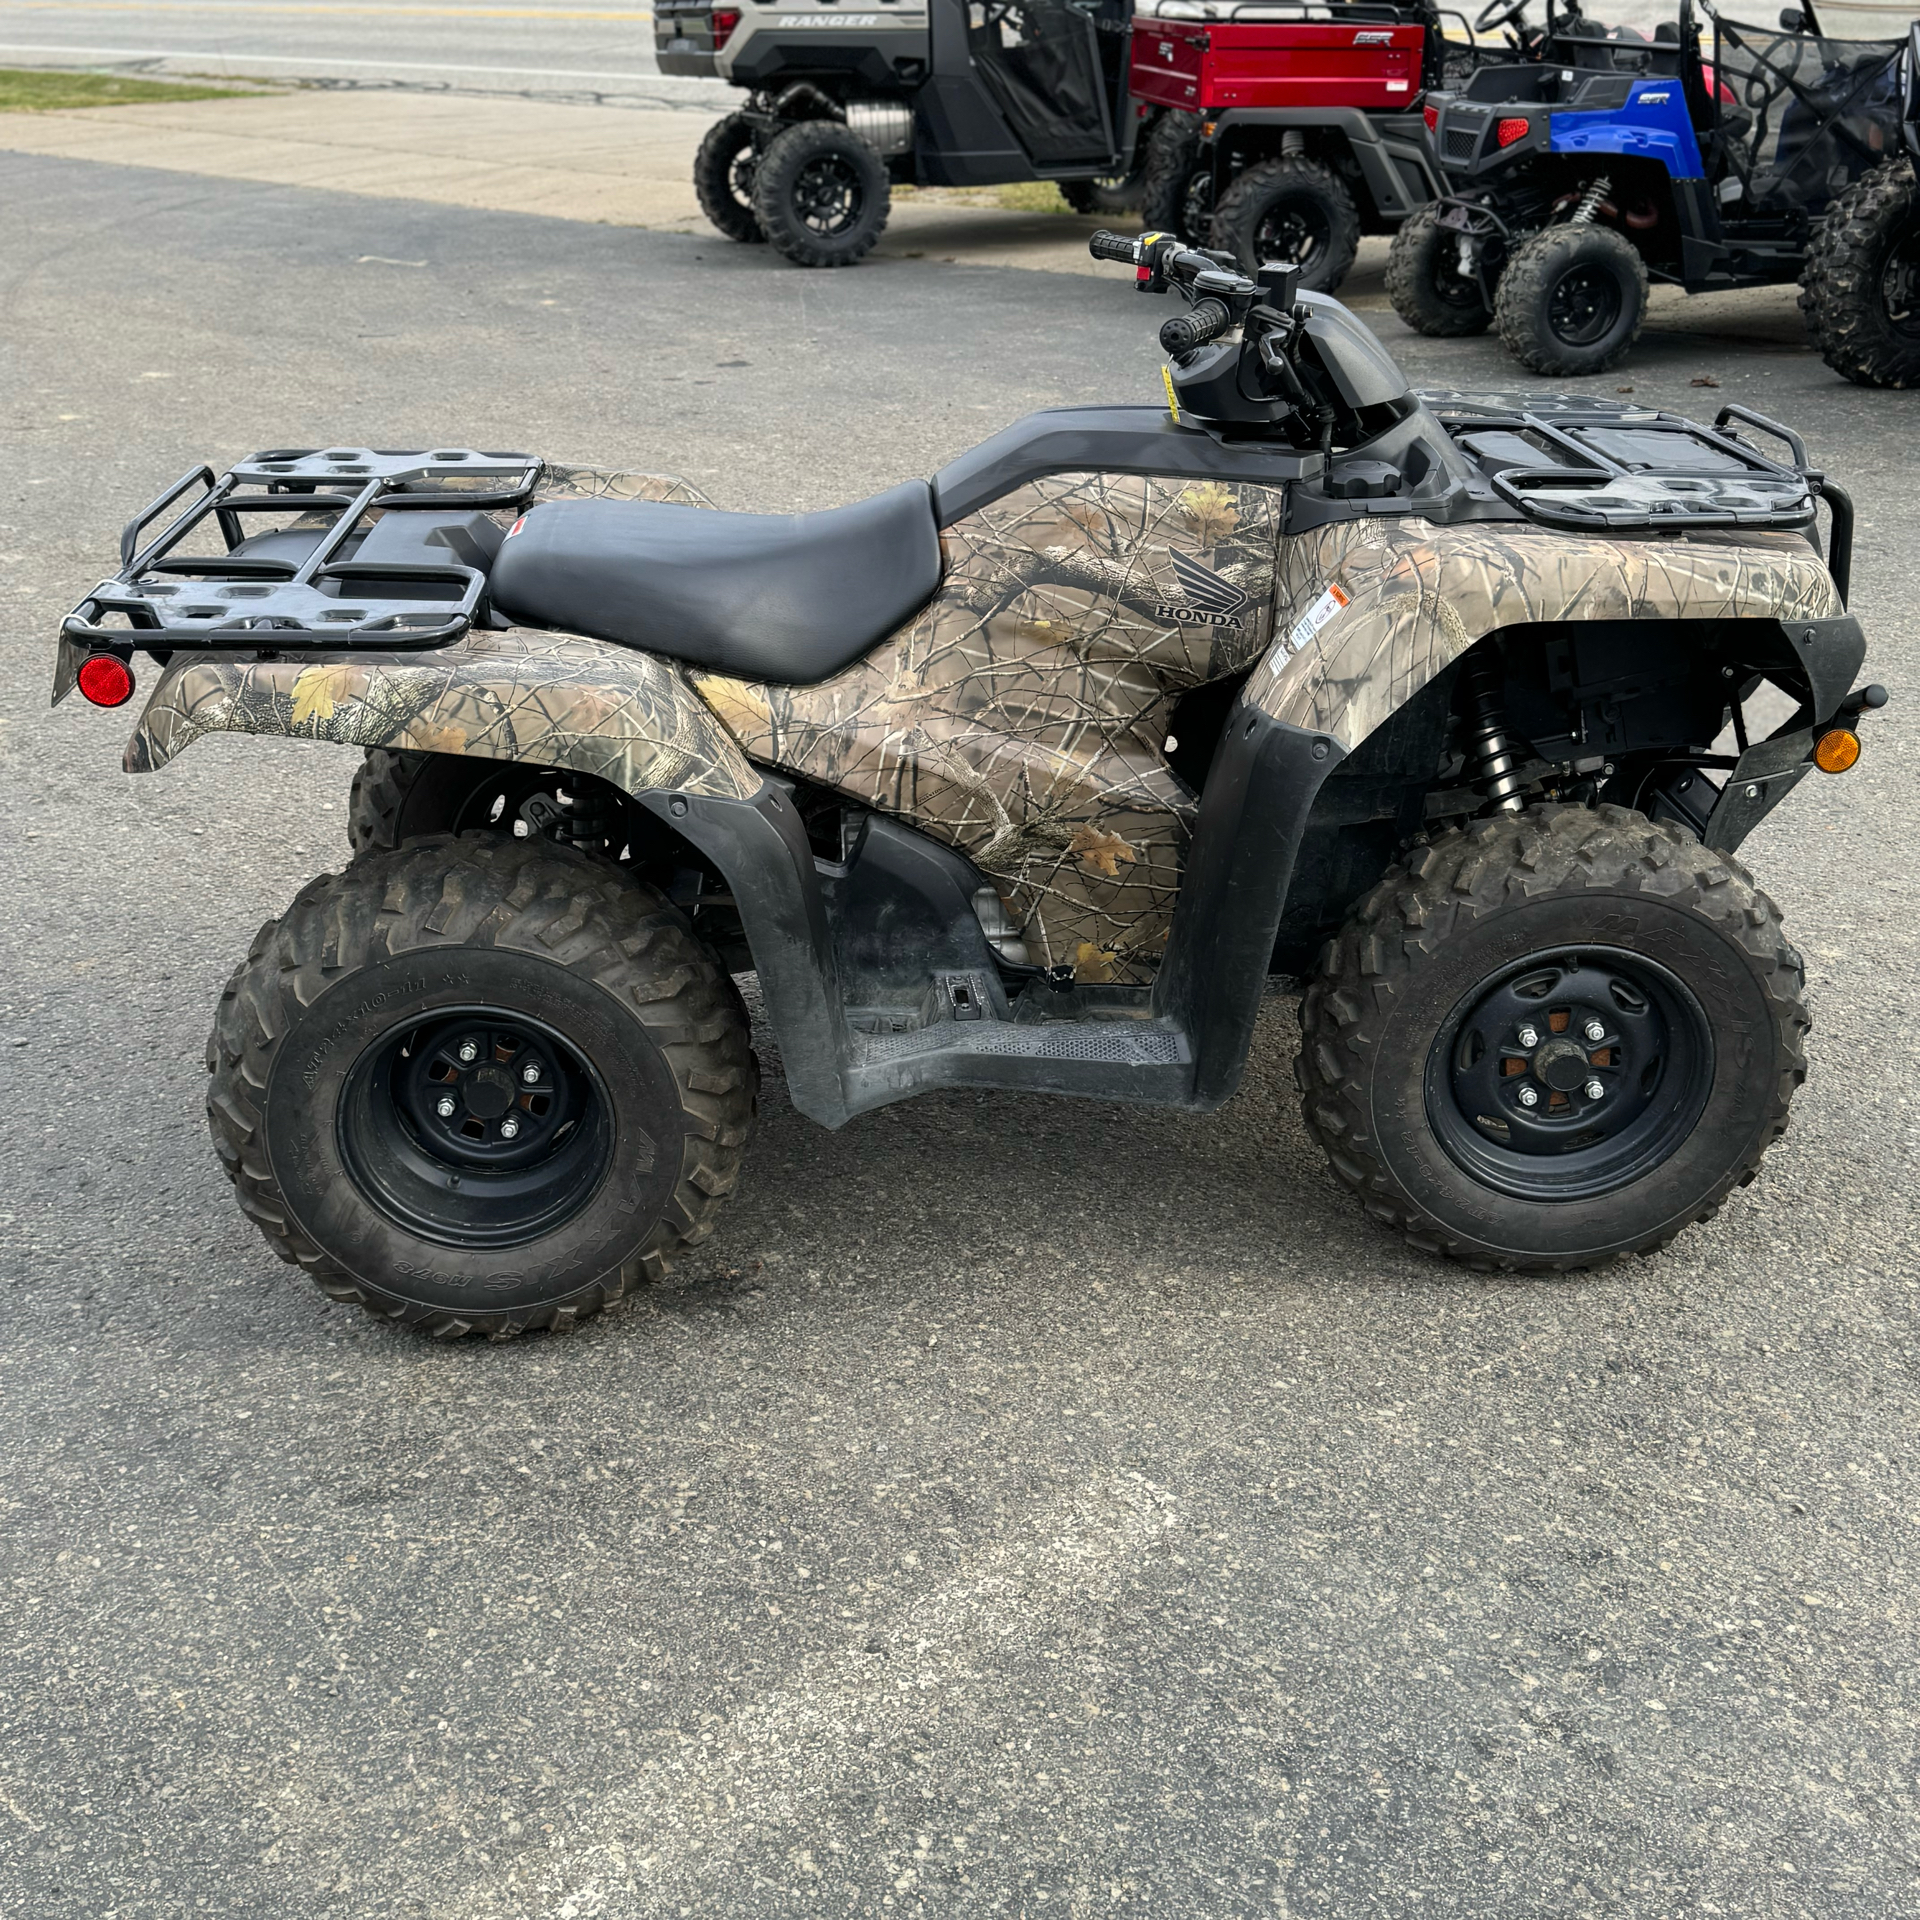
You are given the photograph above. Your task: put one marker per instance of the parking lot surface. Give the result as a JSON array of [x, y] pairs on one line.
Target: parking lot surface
[[1018, 1506]]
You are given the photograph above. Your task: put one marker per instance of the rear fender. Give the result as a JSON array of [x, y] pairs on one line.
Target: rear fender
[[552, 699], [1367, 612]]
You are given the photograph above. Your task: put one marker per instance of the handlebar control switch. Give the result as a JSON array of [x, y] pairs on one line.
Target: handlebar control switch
[[1279, 282]]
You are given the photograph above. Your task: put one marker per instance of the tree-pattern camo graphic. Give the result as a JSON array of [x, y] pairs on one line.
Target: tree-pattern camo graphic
[[1418, 596], [1021, 717], [559, 482], [548, 698]]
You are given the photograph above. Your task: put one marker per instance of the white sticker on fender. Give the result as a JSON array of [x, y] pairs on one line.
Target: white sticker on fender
[[1310, 622]]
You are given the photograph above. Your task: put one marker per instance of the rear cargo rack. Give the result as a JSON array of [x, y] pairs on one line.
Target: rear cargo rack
[[325, 576], [1594, 466]]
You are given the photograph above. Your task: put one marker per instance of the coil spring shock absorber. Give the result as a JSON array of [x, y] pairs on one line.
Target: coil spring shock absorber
[[1490, 758], [1591, 201], [588, 819]]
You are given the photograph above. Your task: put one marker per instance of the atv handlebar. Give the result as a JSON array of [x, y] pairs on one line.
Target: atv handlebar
[[1208, 320], [1112, 246]]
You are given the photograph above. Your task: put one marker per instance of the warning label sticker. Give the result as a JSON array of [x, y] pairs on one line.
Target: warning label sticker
[[1310, 622]]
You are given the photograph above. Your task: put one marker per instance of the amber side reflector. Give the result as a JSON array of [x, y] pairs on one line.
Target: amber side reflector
[[1834, 752], [1508, 131], [108, 682], [1431, 115]]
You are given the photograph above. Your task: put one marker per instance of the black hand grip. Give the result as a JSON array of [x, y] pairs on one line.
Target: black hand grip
[[1205, 320], [1112, 246]]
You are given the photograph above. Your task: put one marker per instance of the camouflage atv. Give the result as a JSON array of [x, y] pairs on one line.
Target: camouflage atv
[[1034, 776]]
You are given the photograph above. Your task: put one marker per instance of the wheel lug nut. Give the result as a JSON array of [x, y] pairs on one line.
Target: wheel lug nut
[[469, 1052], [530, 1073], [1596, 1089], [509, 1127], [1529, 1096], [1595, 1031], [444, 1106], [1529, 1036]]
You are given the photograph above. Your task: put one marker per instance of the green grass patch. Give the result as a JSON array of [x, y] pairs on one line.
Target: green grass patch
[[36, 90], [1032, 196]]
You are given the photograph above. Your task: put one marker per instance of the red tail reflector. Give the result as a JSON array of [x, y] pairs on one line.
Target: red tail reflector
[[1508, 131], [725, 19], [106, 680], [1431, 115]]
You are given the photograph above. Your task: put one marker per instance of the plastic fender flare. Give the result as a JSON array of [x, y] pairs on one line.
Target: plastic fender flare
[[1366, 612], [551, 699], [1653, 125]]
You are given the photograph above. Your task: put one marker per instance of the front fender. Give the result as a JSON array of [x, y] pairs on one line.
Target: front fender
[[1366, 612], [551, 699]]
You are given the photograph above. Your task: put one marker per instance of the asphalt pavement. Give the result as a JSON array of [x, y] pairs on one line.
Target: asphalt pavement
[[1018, 1506]]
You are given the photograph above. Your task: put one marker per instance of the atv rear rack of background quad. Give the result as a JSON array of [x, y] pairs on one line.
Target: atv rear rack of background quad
[[249, 597]]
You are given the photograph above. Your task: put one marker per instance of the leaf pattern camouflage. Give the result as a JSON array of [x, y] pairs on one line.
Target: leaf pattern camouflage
[[559, 482], [1418, 596], [1022, 715], [552, 699]]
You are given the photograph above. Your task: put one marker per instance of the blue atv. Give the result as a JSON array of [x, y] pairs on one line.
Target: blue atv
[[1599, 161]]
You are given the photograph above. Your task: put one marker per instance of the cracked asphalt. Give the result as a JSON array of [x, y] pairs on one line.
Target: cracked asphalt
[[1018, 1506]]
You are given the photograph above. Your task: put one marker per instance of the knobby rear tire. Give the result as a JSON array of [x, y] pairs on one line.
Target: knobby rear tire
[[527, 927], [1843, 286], [778, 179], [1275, 187], [1425, 284], [1523, 300], [717, 181]]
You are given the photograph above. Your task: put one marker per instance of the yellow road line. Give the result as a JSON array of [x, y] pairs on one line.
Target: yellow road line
[[213, 6]]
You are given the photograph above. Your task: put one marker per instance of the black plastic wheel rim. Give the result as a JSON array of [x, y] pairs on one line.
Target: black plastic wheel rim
[[1293, 230], [1584, 306], [740, 172], [1452, 288], [475, 1127], [827, 196], [1570, 1075]]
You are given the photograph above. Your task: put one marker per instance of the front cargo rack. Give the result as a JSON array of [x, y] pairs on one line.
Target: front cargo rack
[[368, 548], [1594, 466]]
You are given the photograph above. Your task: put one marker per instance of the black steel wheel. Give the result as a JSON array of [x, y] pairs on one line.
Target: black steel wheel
[[821, 194], [723, 174], [1570, 1074], [1553, 1039], [1291, 209], [1425, 282], [1572, 300], [480, 1084], [1860, 287]]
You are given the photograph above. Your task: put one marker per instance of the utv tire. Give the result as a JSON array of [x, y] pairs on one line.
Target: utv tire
[[1542, 923], [723, 172], [1425, 284], [1290, 209], [1860, 287], [1572, 300], [1119, 193], [821, 194], [596, 1136], [1176, 193]]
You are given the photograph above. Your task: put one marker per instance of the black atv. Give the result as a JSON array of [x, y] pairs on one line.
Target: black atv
[[1033, 776], [843, 105], [1604, 163]]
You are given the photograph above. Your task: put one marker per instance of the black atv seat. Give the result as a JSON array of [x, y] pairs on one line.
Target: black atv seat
[[791, 597]]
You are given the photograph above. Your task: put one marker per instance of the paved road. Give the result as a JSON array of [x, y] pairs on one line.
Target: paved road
[[545, 47], [1019, 1507]]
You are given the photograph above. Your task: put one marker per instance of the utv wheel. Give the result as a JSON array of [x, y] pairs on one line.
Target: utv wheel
[[1425, 284], [1860, 287], [1291, 209], [723, 172], [1176, 192], [821, 194], [480, 1085], [1118, 193], [1572, 300], [1554, 1039]]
